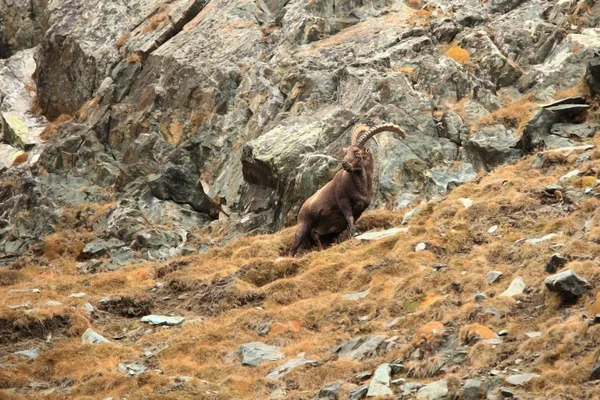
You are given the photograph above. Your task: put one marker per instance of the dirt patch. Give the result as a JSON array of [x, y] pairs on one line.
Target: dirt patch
[[13, 331], [126, 306], [260, 273], [206, 297]]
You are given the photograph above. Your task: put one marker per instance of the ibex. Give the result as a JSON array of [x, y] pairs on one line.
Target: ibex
[[335, 207]]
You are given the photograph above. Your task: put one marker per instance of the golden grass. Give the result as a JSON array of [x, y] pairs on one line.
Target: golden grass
[[52, 127], [515, 115], [156, 20], [133, 58], [302, 298], [458, 54], [122, 39]]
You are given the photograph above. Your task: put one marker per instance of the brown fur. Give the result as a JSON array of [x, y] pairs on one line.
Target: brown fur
[[335, 207]]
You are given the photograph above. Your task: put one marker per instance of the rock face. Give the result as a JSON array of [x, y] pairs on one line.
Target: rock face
[[195, 110]]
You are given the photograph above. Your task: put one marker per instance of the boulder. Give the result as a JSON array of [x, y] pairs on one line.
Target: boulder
[[380, 384], [521, 379], [555, 263], [434, 391], [330, 391], [256, 353], [100, 247], [491, 147], [288, 366], [181, 184], [90, 336], [568, 284], [359, 348], [162, 320], [516, 287]]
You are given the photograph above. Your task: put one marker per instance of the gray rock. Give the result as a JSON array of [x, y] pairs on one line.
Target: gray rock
[[19, 128], [494, 341], [380, 384], [521, 379], [359, 393], [122, 255], [491, 147], [503, 332], [360, 349], [434, 391], [255, 353], [473, 390], [52, 303], [162, 320], [357, 295], [363, 376], [568, 284], [493, 276], [579, 131], [88, 307], [410, 387], [288, 366], [132, 369], [595, 372], [79, 295], [330, 391], [592, 74], [532, 335], [542, 239], [181, 184], [480, 297], [377, 235], [420, 246], [407, 217], [556, 262], [507, 394], [92, 337], [32, 354], [516, 287], [100, 247], [444, 30]]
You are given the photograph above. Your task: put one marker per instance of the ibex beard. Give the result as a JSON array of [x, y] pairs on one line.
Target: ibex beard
[[337, 205]]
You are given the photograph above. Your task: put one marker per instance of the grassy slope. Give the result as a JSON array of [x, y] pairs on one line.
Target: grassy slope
[[225, 293]]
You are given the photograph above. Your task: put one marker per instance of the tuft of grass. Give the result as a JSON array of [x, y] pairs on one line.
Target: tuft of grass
[[515, 115], [156, 20], [459, 54], [122, 39], [52, 127]]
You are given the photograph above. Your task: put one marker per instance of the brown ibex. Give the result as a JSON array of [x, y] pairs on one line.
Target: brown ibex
[[335, 207]]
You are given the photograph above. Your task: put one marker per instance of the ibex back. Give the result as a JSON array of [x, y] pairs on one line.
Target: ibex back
[[337, 205]]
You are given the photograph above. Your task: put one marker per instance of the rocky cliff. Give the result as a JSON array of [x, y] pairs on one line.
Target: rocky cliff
[[137, 132]]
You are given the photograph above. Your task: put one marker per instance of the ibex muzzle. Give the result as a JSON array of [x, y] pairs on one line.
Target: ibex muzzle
[[335, 207]]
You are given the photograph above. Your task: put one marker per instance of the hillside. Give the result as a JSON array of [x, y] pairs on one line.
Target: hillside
[[154, 156]]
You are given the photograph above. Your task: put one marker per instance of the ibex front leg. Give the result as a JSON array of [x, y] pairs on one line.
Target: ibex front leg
[[346, 209]]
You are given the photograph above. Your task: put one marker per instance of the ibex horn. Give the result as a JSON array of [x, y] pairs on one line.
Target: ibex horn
[[357, 131], [364, 138]]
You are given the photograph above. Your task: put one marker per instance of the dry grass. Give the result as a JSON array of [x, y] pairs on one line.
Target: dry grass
[[133, 58], [515, 115], [228, 293], [122, 39], [52, 127], [157, 20], [459, 54]]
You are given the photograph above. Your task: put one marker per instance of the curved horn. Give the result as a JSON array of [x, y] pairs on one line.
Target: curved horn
[[357, 131], [363, 139]]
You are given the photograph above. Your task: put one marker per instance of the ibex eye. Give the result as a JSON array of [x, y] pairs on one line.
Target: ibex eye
[[357, 154]]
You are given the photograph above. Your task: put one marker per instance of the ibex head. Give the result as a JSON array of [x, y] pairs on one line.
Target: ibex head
[[357, 155]]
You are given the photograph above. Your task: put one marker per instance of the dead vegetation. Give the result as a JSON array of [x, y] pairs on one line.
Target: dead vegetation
[[248, 291]]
